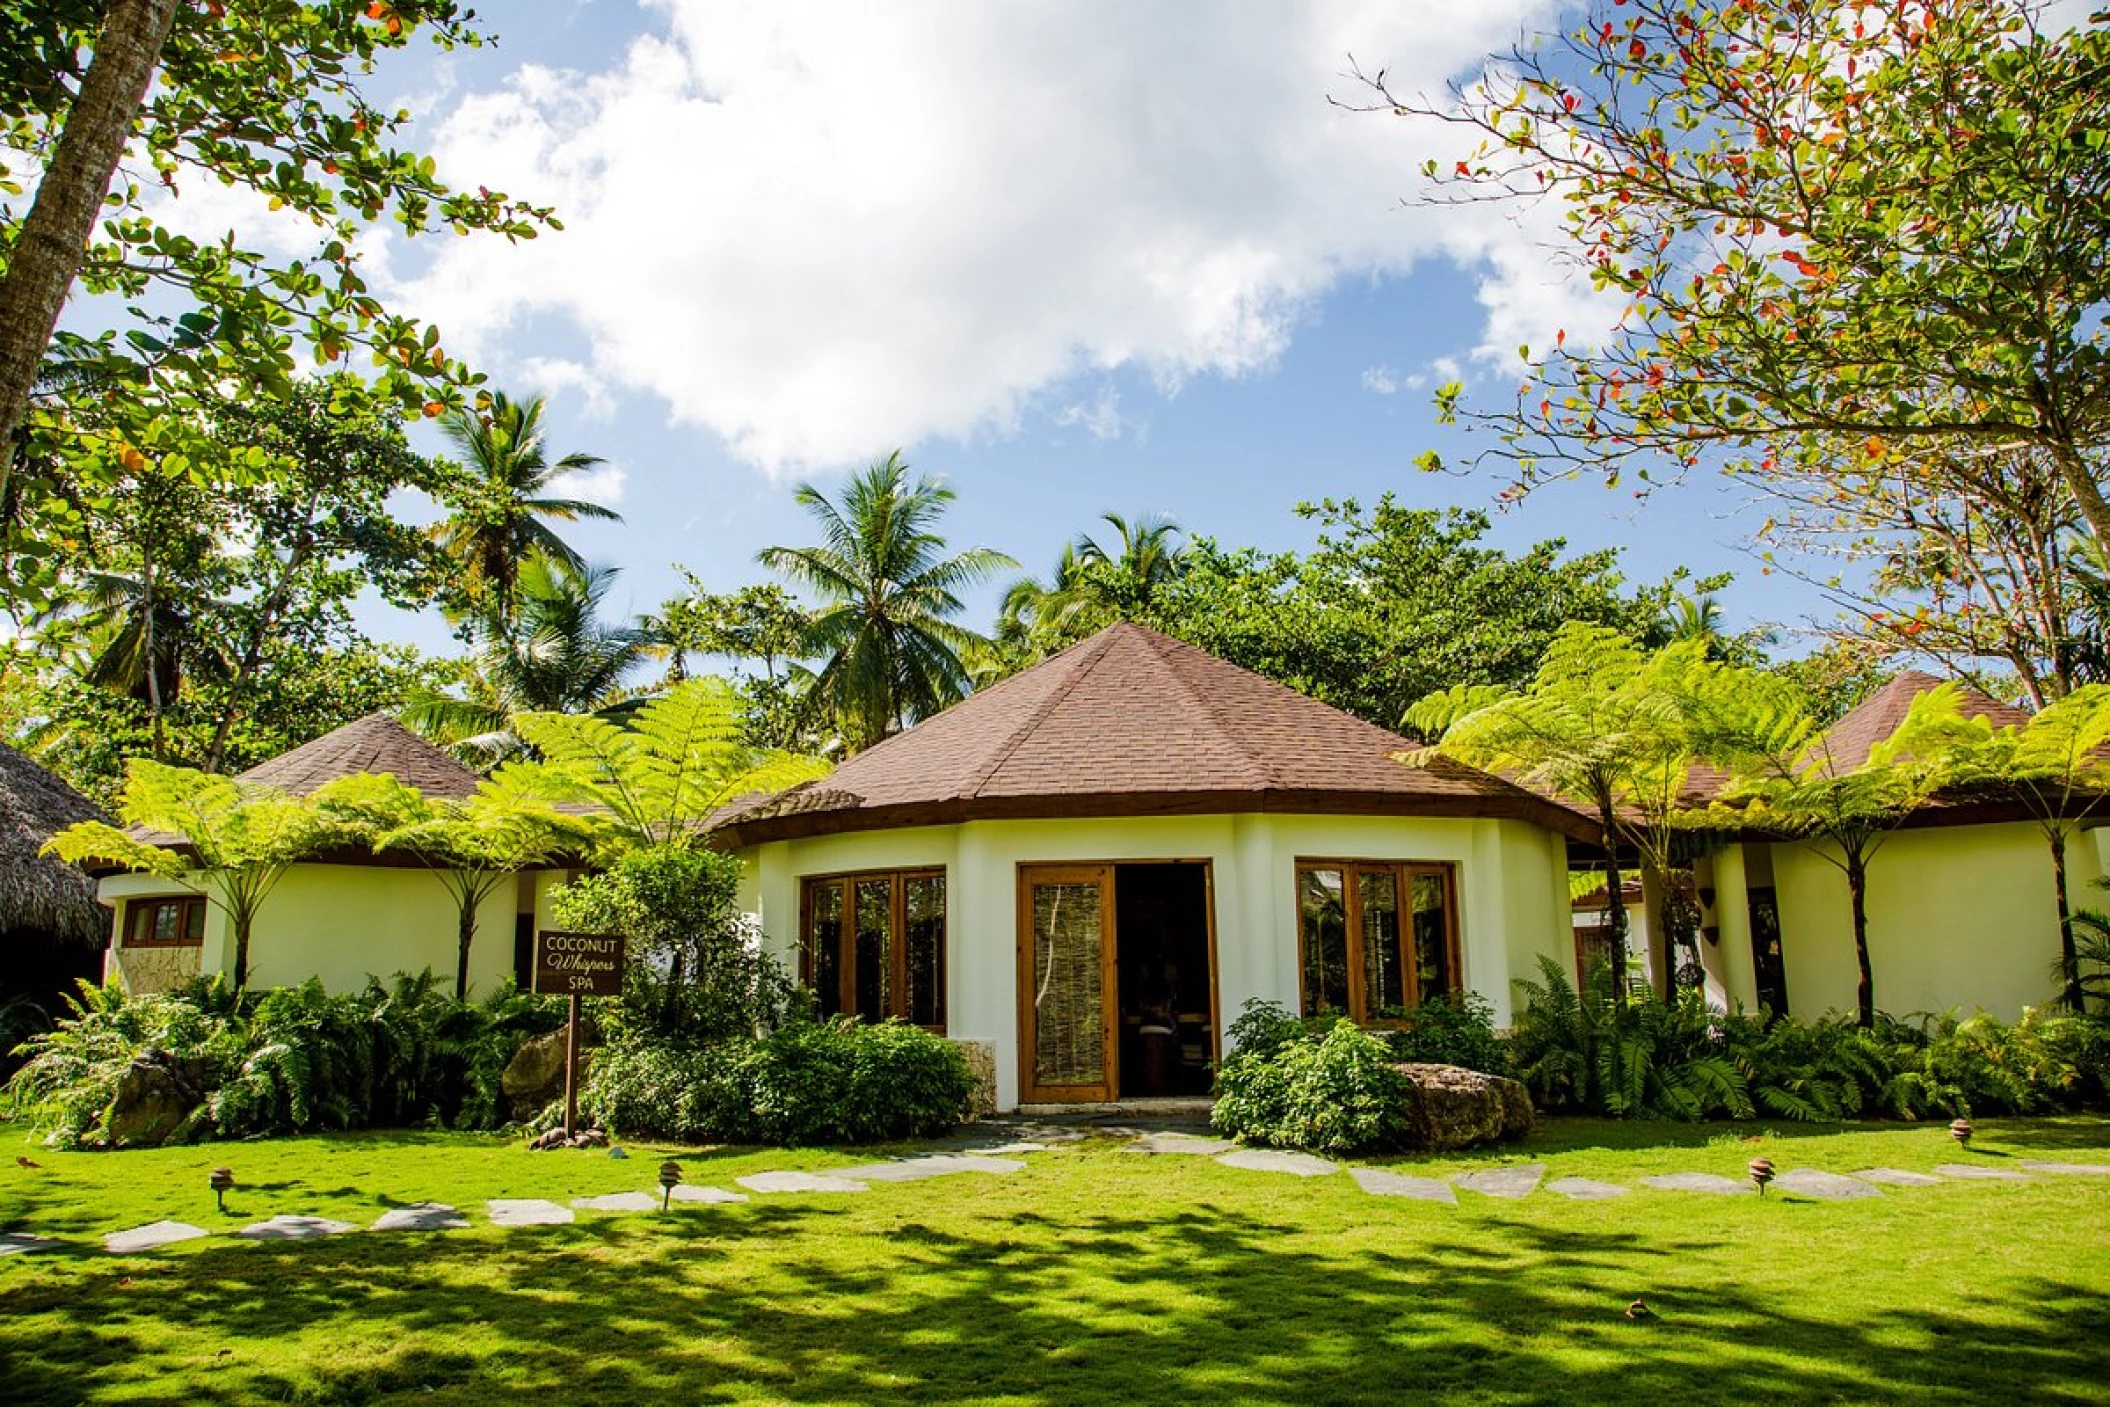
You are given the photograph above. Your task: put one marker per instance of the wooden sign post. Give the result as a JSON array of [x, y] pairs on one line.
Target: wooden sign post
[[577, 965]]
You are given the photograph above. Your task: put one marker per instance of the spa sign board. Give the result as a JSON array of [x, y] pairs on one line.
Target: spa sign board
[[578, 964]]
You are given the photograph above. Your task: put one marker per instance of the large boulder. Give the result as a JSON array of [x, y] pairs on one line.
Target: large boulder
[[1451, 1107], [153, 1099], [535, 1074]]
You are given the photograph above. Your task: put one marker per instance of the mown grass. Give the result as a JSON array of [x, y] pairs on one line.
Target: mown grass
[[1092, 1276]]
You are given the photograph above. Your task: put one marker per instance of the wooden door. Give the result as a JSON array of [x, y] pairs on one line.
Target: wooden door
[[1066, 1000]]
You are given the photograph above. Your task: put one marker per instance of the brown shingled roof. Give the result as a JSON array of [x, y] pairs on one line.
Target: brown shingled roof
[[1855, 736], [375, 743], [1131, 722]]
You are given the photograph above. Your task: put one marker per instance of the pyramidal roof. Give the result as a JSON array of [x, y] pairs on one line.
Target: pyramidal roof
[[1850, 740], [1131, 722], [375, 743]]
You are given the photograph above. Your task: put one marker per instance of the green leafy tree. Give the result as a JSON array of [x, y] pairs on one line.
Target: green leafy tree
[[2057, 764], [264, 95], [1832, 226], [760, 631], [1394, 603], [655, 778], [1785, 776], [557, 654], [1603, 723], [473, 847], [1092, 586], [238, 838], [884, 632], [500, 508]]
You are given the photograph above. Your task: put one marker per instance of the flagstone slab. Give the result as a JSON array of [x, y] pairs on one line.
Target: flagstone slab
[[800, 1182], [712, 1196], [424, 1216], [1824, 1186], [18, 1243], [2039, 1165], [1000, 1150], [1979, 1172], [1585, 1189], [151, 1237], [1276, 1160], [929, 1165], [528, 1211], [1897, 1177], [295, 1228], [1697, 1182], [1380, 1183], [1193, 1143], [618, 1202], [1510, 1183], [1046, 1133]]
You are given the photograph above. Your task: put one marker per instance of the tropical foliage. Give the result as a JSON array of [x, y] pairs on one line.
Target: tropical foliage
[[890, 650]]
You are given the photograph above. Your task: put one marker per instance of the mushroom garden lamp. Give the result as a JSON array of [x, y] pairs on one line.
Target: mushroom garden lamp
[[669, 1179], [222, 1184]]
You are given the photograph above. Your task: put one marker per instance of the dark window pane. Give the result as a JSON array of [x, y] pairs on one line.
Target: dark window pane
[[1384, 975], [1068, 1015], [1322, 912], [196, 926], [924, 903], [1432, 937], [824, 944], [875, 906]]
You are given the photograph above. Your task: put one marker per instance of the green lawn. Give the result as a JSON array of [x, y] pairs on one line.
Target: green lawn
[[1093, 1275]]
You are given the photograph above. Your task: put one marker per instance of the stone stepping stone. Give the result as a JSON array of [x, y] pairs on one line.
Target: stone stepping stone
[[1697, 1182], [17, 1243], [424, 1216], [1047, 1133], [929, 1165], [1974, 1170], [799, 1182], [528, 1211], [1897, 1177], [999, 1150], [1276, 1160], [618, 1202], [710, 1196], [294, 1228], [1585, 1189], [1824, 1186], [1180, 1143], [1512, 1183], [151, 1237], [2038, 1165], [1379, 1183]]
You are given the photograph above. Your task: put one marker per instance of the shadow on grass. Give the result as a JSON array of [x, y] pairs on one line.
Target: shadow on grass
[[1198, 1304]]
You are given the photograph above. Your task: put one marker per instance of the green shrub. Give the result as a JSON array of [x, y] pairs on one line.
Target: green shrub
[[842, 1081], [1444, 1032], [284, 1060], [1335, 1092], [1585, 1052]]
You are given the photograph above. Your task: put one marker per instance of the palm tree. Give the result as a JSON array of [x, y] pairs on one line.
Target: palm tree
[[1148, 558], [890, 652], [500, 503], [556, 655], [1091, 587]]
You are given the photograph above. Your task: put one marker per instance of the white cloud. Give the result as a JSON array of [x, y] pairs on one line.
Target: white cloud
[[1381, 380], [1100, 416], [602, 484], [549, 375], [822, 231]]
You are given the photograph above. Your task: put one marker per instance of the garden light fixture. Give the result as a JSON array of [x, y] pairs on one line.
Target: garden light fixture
[[222, 1184], [1761, 1173], [1961, 1132], [669, 1179]]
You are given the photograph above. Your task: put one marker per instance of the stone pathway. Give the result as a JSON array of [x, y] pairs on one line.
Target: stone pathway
[[1696, 1182], [929, 1165], [528, 1211], [708, 1196], [1193, 1143], [1379, 1183], [294, 1228], [618, 1202], [799, 1182], [1824, 1186], [1897, 1177], [151, 1237], [2037, 1165], [1978, 1170], [1512, 1184], [424, 1216], [1585, 1189], [1275, 1160], [17, 1244]]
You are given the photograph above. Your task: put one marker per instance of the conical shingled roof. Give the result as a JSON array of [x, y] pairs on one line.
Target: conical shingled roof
[[1131, 722], [1850, 740], [375, 743]]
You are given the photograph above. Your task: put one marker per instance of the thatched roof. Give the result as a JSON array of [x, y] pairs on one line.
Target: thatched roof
[[40, 893]]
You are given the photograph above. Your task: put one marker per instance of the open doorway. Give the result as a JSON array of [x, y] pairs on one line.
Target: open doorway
[[1163, 983]]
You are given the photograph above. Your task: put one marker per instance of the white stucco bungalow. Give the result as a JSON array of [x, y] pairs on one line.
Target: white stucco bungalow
[[1093, 865]]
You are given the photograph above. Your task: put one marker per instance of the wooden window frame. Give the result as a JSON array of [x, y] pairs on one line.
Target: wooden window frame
[[897, 935], [1403, 873], [138, 928]]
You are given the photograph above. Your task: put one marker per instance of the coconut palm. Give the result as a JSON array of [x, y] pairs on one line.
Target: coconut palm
[[1092, 587], [556, 655], [501, 504], [890, 652]]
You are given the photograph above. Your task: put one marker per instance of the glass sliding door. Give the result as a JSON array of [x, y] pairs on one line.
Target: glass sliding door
[[1066, 982]]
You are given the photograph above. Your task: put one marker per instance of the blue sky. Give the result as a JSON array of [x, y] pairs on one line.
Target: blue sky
[[1075, 258]]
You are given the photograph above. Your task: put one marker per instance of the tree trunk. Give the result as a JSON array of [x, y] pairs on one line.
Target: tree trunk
[[2087, 494], [1614, 902], [2069, 957], [1857, 888], [464, 935], [252, 656], [54, 238], [241, 949]]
